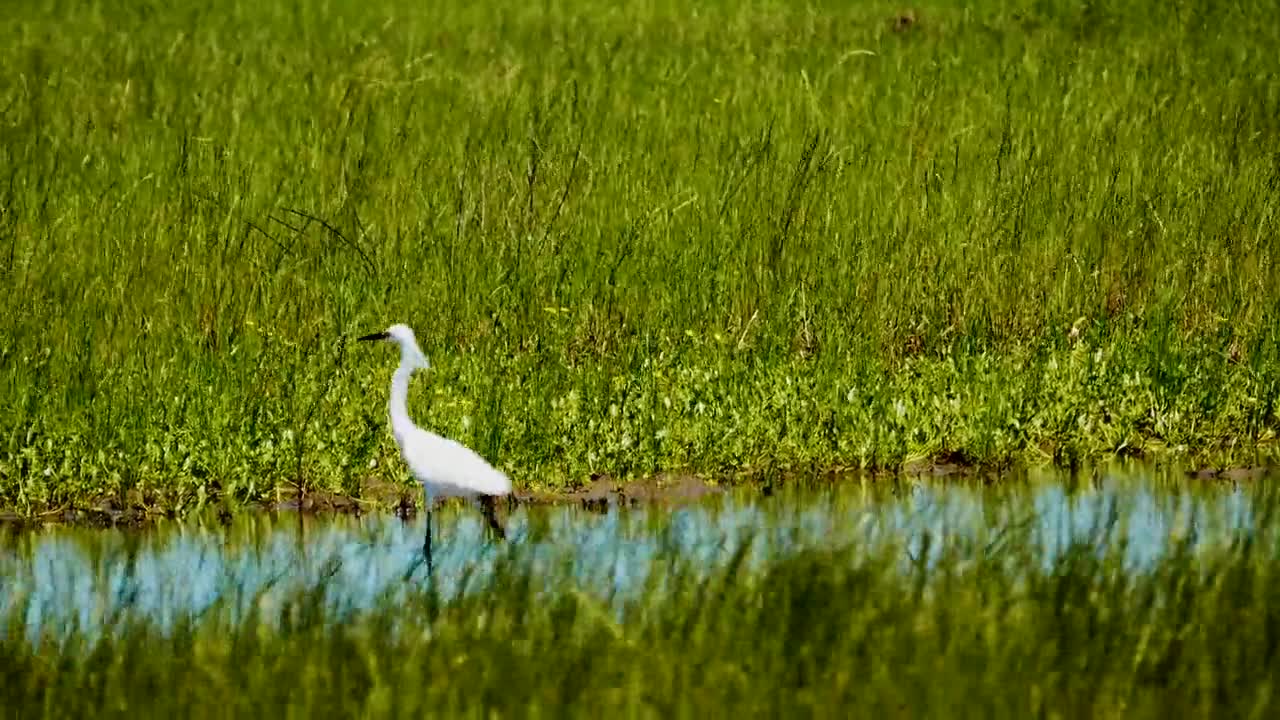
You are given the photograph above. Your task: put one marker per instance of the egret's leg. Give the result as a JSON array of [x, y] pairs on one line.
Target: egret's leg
[[487, 503], [426, 543]]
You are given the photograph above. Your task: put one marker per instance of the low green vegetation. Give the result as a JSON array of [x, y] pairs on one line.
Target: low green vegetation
[[1002, 627], [633, 237]]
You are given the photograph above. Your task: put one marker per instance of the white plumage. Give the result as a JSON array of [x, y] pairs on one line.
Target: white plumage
[[445, 468]]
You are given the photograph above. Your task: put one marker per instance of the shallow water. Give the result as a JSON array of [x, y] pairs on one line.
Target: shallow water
[[68, 579]]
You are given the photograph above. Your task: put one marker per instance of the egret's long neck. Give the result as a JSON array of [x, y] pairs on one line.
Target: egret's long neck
[[399, 396], [411, 358]]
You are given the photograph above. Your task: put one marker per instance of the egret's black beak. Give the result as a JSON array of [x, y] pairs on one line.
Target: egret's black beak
[[374, 336]]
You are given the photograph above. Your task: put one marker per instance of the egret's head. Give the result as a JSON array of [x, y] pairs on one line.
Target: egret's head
[[401, 335]]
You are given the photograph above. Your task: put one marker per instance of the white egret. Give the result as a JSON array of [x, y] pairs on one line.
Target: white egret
[[445, 467]]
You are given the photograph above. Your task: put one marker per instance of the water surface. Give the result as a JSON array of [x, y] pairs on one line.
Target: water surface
[[68, 578]]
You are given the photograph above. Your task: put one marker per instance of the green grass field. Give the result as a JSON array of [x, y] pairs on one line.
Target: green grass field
[[633, 237], [982, 629]]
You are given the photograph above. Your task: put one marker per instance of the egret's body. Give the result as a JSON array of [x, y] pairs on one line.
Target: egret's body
[[445, 468]]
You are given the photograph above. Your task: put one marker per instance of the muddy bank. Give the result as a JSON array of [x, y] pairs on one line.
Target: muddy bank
[[597, 495], [405, 500]]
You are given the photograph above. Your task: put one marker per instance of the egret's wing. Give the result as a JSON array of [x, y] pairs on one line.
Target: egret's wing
[[452, 468]]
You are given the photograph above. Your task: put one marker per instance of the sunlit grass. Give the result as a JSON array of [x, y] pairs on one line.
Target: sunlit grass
[[632, 238]]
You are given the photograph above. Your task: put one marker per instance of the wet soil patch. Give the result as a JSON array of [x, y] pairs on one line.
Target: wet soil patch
[[599, 494]]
